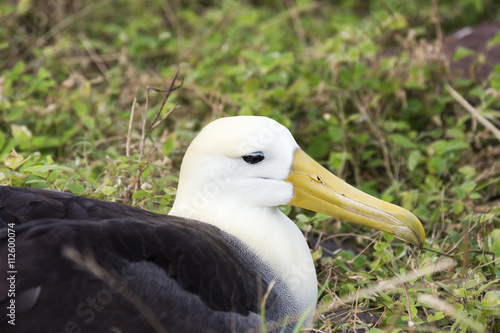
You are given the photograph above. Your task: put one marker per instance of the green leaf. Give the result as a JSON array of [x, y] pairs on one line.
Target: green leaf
[[76, 187], [21, 133], [360, 261], [468, 186], [107, 190], [375, 330], [318, 254], [43, 170], [43, 73], [14, 160], [318, 147], [388, 237], [36, 181], [337, 158], [462, 52], [495, 247], [252, 85], [434, 317], [18, 176], [381, 245], [2, 140], [169, 144], [462, 292], [494, 41], [442, 147], [467, 171], [495, 78], [402, 141], [458, 207], [480, 278], [327, 299], [437, 164], [141, 194], [413, 160], [491, 299]]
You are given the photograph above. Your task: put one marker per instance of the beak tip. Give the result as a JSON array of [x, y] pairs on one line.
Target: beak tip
[[412, 231]]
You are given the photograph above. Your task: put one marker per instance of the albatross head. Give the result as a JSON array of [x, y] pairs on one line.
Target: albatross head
[[240, 164]]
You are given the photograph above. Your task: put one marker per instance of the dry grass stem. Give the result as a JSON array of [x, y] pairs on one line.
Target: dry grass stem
[[130, 122], [449, 309], [485, 122], [96, 58], [441, 265], [155, 123], [89, 264]]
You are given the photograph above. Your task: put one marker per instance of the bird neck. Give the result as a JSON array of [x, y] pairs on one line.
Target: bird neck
[[273, 237]]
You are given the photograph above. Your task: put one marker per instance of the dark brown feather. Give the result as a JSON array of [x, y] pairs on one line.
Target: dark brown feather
[[184, 270]]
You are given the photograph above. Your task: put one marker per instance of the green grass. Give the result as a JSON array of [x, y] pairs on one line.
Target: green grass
[[357, 83]]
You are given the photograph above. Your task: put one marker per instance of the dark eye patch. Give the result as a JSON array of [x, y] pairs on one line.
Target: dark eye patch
[[253, 158]]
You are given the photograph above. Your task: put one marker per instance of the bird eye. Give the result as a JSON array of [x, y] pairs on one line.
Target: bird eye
[[253, 158]]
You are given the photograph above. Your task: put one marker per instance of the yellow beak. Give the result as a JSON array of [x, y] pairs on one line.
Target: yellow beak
[[317, 189]]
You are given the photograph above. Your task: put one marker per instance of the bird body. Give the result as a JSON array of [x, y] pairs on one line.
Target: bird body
[[225, 259], [164, 260]]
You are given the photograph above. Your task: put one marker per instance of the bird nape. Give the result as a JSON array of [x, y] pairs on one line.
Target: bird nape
[[224, 259]]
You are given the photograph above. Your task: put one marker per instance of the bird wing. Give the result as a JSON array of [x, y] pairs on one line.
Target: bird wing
[[70, 250]]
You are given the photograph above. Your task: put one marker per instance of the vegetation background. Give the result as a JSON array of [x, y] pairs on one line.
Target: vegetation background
[[364, 85]]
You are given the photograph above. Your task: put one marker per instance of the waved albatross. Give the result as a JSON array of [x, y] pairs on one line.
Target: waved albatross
[[225, 259]]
